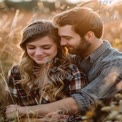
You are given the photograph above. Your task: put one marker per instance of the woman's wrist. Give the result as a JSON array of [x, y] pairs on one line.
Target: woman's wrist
[[30, 111]]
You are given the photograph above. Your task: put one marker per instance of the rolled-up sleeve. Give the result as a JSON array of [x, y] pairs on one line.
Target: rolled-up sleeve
[[105, 85]]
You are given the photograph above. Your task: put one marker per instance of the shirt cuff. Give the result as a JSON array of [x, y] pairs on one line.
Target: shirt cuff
[[84, 101]]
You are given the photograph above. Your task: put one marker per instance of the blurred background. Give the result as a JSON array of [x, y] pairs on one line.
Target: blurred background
[[16, 14]]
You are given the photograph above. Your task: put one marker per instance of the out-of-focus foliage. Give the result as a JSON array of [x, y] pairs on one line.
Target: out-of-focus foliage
[[10, 53], [12, 22]]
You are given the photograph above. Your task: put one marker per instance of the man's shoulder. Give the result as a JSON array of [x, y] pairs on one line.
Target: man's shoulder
[[106, 52], [113, 55]]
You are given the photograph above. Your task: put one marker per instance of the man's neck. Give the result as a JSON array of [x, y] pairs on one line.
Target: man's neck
[[96, 44]]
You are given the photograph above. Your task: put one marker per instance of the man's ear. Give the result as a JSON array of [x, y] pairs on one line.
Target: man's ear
[[89, 35]]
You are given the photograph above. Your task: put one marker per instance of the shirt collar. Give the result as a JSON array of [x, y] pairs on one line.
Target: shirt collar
[[99, 51]]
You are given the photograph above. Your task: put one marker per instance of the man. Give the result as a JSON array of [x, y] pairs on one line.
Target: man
[[81, 30]]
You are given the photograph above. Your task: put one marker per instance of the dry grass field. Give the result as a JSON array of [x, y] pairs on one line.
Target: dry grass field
[[11, 26]]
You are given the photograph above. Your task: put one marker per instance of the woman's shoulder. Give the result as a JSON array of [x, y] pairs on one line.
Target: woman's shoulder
[[75, 58], [14, 73], [72, 66], [15, 69], [12, 79]]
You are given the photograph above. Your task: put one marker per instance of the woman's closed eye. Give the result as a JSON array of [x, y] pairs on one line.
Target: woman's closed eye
[[46, 47], [31, 47]]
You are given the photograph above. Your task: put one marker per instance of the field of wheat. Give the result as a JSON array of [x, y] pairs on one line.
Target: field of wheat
[[12, 23]]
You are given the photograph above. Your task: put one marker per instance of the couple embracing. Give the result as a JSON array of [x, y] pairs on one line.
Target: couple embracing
[[65, 69]]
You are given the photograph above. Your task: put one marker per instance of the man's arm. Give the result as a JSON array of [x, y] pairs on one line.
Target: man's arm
[[104, 86]]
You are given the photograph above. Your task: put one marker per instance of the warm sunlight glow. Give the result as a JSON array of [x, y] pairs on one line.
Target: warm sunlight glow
[[74, 1]]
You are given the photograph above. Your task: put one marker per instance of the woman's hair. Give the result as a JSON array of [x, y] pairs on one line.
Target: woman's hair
[[82, 19], [35, 31]]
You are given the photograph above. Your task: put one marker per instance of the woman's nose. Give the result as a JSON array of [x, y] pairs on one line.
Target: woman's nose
[[38, 51]]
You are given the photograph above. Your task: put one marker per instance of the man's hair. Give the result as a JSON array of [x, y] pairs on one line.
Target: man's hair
[[82, 19]]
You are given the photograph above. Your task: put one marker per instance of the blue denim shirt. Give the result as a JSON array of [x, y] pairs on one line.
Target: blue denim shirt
[[104, 70]]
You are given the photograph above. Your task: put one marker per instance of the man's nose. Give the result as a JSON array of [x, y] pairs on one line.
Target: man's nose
[[63, 42]]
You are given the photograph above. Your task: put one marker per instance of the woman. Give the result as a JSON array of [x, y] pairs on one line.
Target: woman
[[45, 74]]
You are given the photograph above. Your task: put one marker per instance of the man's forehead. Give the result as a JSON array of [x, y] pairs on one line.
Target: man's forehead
[[70, 27], [64, 30]]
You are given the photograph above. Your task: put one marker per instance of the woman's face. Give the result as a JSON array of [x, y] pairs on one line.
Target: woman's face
[[42, 50]]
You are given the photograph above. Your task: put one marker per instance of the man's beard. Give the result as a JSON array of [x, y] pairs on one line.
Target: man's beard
[[81, 48], [73, 51]]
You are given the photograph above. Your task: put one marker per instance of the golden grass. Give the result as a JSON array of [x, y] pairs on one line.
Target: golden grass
[[11, 25]]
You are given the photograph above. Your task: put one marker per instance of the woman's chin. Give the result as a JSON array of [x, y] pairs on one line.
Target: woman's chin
[[44, 61]]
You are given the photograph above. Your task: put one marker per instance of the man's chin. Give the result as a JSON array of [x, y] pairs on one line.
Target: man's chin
[[72, 52]]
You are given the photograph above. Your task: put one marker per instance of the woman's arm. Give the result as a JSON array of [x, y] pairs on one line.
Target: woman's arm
[[67, 106]]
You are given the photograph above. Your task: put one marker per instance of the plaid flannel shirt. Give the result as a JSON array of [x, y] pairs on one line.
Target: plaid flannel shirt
[[74, 81]]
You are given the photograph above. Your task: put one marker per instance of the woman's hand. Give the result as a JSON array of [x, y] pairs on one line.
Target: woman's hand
[[14, 111], [31, 112], [51, 117]]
